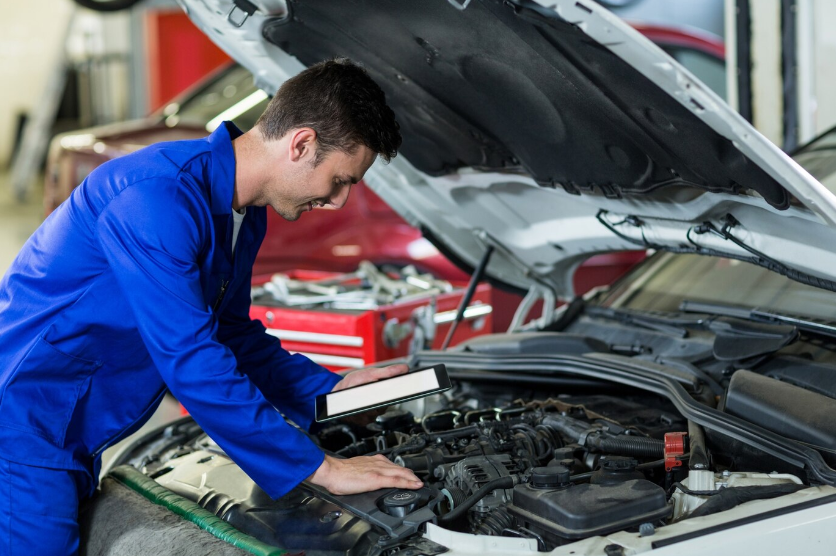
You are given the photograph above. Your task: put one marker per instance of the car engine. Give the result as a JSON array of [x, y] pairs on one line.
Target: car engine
[[496, 460]]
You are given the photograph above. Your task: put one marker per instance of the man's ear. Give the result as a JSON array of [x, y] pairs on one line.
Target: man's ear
[[302, 144]]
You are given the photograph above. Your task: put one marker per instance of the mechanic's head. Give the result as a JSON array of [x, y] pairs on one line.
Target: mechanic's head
[[325, 126]]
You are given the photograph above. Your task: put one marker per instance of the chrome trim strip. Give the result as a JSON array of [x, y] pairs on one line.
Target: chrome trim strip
[[316, 337], [335, 360], [472, 312]]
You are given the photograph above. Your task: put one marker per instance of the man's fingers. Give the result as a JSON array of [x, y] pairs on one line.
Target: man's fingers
[[397, 470], [356, 378], [398, 481], [390, 371]]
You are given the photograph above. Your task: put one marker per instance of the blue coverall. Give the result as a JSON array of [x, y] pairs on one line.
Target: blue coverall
[[130, 287]]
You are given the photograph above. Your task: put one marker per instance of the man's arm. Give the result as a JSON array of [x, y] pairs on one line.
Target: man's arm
[[150, 234], [289, 382]]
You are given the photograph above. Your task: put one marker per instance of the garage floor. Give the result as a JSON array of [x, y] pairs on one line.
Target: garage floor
[[17, 222]]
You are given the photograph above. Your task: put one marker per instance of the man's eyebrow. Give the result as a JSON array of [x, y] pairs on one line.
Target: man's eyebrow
[[349, 179]]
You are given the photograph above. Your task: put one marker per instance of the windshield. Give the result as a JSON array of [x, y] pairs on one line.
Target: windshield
[[668, 279], [231, 95]]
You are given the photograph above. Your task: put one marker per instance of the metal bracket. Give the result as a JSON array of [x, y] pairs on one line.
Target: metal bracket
[[246, 8], [461, 6], [535, 293]]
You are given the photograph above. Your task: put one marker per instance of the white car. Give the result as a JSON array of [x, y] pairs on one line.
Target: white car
[[689, 409]]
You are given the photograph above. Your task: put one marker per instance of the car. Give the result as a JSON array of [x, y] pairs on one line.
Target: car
[[327, 240], [324, 240], [686, 409]]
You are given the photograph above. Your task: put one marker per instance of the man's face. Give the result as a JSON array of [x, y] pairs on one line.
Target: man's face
[[327, 184]]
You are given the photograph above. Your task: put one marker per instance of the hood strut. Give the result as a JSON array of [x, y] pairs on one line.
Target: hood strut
[[468, 295]]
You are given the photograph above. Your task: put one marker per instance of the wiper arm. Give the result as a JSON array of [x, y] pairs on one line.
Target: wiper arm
[[806, 324], [651, 322]]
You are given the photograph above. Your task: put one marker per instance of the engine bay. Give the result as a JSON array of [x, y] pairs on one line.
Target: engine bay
[[497, 460], [622, 425]]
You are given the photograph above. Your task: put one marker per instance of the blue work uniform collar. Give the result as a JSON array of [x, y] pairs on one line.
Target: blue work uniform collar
[[223, 167]]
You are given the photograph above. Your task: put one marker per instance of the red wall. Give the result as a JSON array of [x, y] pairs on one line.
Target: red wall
[[178, 55]]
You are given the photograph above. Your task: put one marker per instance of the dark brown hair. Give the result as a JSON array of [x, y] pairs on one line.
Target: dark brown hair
[[339, 101]]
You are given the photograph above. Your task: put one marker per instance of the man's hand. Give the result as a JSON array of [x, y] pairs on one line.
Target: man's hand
[[362, 474], [364, 376]]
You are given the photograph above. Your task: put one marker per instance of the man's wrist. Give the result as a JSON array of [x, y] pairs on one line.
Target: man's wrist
[[320, 475]]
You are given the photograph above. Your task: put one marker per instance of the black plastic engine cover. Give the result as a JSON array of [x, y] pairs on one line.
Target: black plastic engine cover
[[587, 510]]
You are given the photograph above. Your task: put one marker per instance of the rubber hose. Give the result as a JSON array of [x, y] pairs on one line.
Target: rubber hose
[[638, 446], [409, 447], [455, 433], [490, 486], [629, 446], [568, 426], [495, 523]]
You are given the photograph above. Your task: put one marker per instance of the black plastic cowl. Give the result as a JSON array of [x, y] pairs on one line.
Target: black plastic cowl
[[783, 408]]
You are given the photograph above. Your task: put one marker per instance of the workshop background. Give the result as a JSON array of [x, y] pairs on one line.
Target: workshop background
[[78, 67]]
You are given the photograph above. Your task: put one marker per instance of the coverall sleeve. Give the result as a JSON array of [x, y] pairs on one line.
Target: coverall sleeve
[[289, 382], [152, 235]]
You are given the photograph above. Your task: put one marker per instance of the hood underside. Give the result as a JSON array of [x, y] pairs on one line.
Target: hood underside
[[499, 86], [552, 133]]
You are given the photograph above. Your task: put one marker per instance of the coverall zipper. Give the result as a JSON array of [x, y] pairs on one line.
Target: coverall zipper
[[221, 294]]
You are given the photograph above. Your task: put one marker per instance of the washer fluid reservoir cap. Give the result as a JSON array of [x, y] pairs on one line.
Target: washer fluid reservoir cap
[[400, 502]]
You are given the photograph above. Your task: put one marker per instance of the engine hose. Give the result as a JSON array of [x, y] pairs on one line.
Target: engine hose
[[411, 446], [637, 446], [497, 521], [455, 433], [556, 441], [490, 486]]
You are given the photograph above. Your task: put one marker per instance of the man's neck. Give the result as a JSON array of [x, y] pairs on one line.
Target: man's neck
[[247, 166]]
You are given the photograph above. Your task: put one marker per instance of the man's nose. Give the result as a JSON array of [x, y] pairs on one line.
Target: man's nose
[[339, 198]]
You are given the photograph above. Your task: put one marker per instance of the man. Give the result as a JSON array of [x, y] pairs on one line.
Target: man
[[140, 282]]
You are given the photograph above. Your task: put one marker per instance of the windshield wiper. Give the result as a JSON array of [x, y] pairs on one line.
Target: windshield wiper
[[811, 326], [643, 320]]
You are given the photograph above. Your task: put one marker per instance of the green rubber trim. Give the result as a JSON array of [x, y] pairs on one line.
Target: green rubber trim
[[158, 494]]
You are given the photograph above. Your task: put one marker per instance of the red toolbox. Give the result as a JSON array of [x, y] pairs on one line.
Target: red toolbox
[[345, 321]]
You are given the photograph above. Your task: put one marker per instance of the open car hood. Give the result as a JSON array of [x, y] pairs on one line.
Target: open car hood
[[551, 132]]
